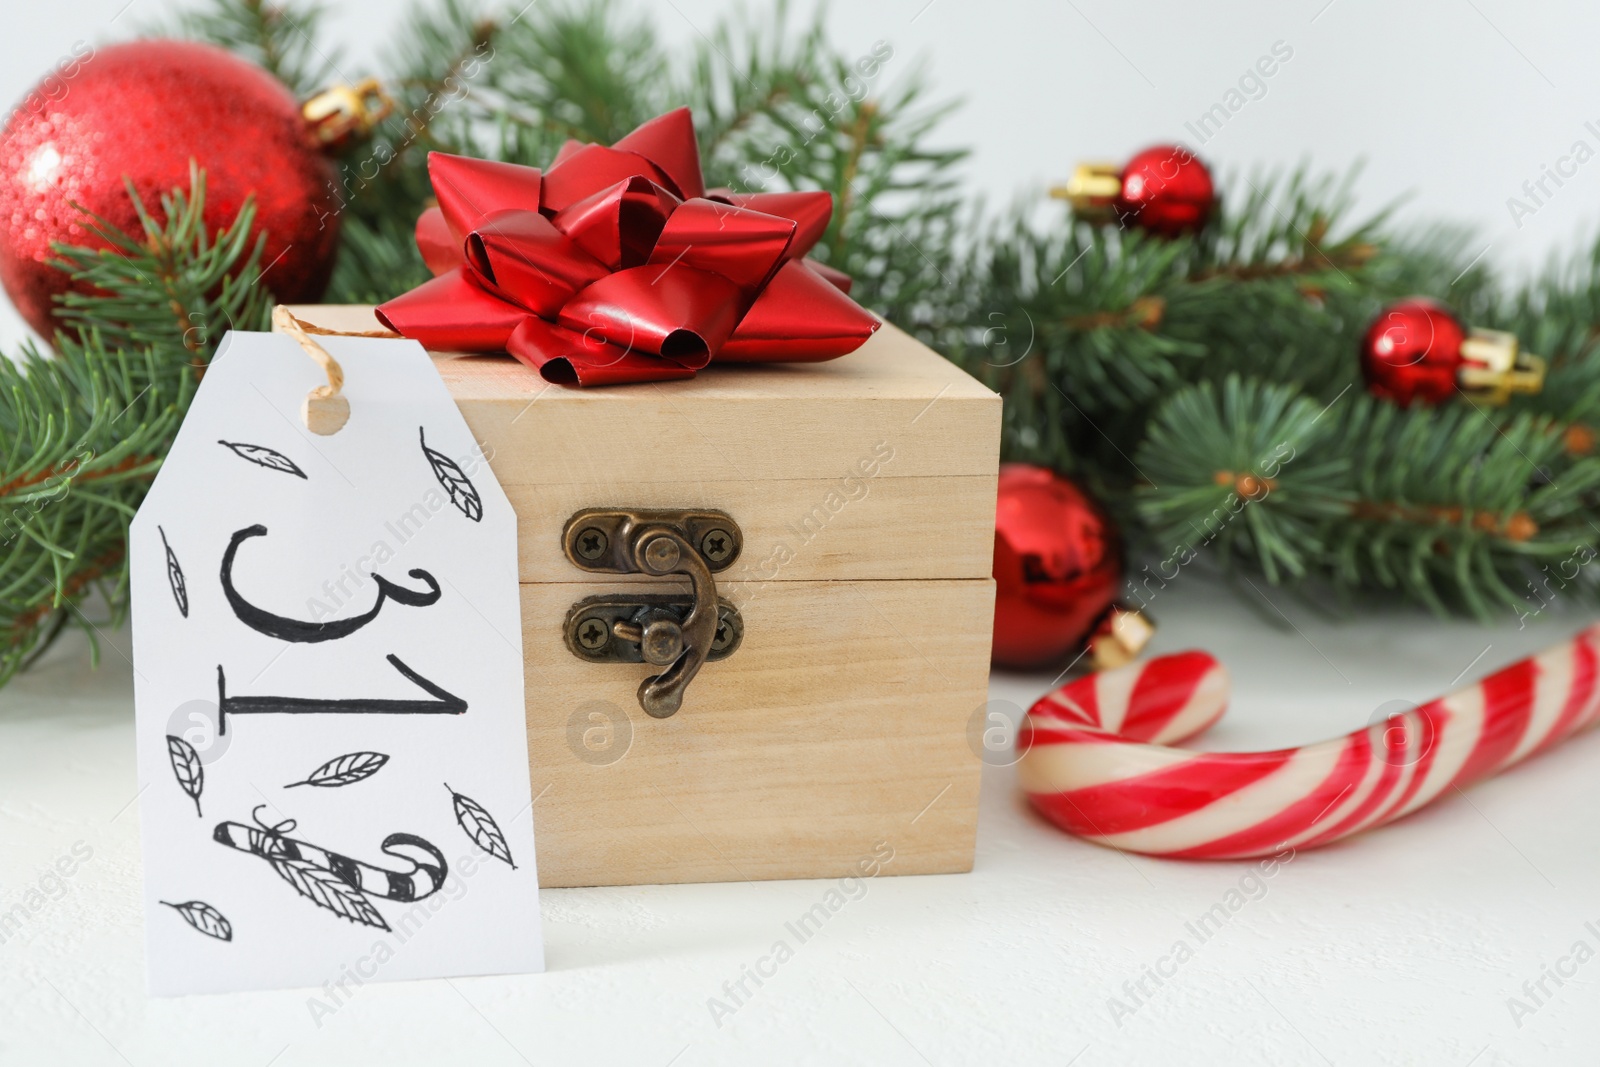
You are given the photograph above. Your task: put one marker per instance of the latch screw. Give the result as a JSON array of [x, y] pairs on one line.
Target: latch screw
[[593, 634], [716, 545], [591, 543], [724, 634]]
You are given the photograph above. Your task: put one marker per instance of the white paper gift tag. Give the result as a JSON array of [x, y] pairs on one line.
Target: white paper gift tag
[[333, 759]]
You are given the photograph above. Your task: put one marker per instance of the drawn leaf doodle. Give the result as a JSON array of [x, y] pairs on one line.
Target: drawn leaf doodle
[[186, 768], [480, 826], [327, 890], [454, 480], [180, 591], [263, 456], [203, 917], [347, 769]]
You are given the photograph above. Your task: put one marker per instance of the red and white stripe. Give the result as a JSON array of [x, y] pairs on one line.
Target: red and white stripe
[[1096, 763]]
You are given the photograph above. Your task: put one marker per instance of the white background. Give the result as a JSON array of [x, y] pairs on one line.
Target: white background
[[1455, 101], [1401, 947]]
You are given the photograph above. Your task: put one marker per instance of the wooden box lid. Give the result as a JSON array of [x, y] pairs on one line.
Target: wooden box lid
[[877, 465]]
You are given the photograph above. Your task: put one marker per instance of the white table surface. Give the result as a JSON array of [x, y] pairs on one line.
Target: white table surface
[[1401, 947]]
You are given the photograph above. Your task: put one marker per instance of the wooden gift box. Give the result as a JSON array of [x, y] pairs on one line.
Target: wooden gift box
[[840, 725]]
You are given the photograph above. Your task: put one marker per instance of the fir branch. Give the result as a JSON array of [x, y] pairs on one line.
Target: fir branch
[[172, 280], [440, 54], [1557, 317], [1246, 468], [378, 258], [87, 429], [1285, 225], [739, 75], [281, 38], [584, 71], [1467, 519]]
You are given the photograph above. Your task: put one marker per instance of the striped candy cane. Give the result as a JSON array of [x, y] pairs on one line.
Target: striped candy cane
[[1096, 763]]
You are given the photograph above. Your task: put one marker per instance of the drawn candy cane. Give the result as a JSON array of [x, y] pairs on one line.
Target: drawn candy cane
[[337, 882], [1096, 763]]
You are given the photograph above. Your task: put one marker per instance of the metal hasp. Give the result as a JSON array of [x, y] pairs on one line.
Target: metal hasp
[[674, 632]]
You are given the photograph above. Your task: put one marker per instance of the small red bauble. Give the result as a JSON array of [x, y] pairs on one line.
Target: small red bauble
[[1418, 352], [1166, 191], [143, 110], [1412, 352], [1057, 567], [1163, 190]]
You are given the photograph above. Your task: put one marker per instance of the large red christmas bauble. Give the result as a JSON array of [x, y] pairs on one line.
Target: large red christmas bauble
[[1412, 352], [1166, 191], [143, 110], [1057, 567]]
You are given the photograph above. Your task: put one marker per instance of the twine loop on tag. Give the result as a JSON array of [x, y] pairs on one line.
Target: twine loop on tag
[[326, 409]]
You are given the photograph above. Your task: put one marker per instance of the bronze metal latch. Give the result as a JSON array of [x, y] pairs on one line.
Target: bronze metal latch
[[678, 632]]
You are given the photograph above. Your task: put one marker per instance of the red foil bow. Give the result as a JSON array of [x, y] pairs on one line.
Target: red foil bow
[[615, 265]]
